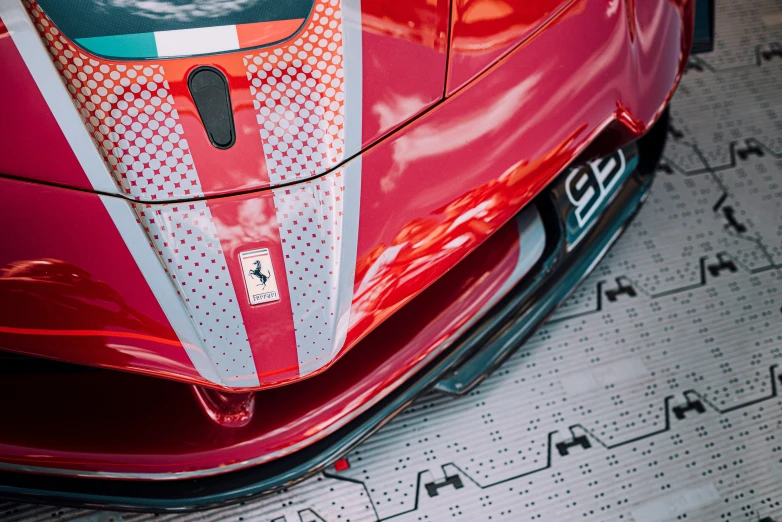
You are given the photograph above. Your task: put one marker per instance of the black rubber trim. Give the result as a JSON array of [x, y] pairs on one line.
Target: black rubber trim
[[191, 494], [703, 32], [212, 97], [512, 320], [494, 344]]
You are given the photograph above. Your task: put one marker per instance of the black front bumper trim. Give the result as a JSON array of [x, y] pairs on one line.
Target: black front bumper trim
[[484, 347]]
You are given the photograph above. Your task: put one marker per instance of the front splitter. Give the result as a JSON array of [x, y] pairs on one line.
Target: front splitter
[[501, 331]]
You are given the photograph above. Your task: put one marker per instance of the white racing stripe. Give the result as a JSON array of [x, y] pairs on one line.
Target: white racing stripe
[[40, 65], [351, 207], [308, 115], [353, 56], [235, 367], [320, 100], [319, 236], [148, 263], [186, 239], [203, 40]]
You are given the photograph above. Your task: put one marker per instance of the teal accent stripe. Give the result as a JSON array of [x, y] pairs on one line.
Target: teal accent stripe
[[141, 45]]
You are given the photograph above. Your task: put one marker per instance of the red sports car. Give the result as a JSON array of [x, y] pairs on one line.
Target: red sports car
[[242, 234]]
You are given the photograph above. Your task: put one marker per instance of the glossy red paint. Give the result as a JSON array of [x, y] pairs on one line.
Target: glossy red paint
[[400, 37], [484, 30], [435, 197], [502, 139], [341, 465], [28, 127], [453, 177], [247, 223], [70, 290], [230, 410], [130, 406], [395, 39]]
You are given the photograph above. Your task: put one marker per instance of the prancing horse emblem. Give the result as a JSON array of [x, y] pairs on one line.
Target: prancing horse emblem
[[256, 273]]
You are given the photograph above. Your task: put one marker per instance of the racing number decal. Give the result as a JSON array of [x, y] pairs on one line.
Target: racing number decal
[[588, 186]]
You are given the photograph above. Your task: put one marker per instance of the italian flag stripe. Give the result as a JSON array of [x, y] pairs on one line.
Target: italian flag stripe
[[140, 45], [189, 42], [252, 35], [203, 40]]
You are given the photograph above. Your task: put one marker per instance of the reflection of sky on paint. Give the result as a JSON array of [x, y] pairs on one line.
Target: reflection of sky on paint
[[179, 10], [95, 18]]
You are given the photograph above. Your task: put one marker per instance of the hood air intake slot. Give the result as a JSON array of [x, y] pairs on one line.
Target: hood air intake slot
[[209, 89]]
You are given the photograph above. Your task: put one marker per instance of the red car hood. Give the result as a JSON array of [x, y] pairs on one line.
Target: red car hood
[[297, 105], [257, 289], [260, 264]]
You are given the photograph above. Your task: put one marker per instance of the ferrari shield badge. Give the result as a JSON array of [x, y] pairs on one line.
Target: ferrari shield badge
[[259, 276]]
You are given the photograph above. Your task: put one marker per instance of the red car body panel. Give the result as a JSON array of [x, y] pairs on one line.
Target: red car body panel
[[394, 40], [313, 407], [28, 124], [429, 206], [484, 30], [61, 300]]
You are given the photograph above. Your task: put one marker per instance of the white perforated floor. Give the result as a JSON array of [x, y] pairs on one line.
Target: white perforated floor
[[653, 394]]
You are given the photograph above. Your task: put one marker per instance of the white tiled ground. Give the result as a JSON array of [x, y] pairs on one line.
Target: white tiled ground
[[660, 406]]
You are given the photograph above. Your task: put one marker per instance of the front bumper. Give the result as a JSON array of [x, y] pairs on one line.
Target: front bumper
[[484, 346]]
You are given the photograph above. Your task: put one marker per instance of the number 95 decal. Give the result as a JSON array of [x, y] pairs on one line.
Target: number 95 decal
[[589, 185]]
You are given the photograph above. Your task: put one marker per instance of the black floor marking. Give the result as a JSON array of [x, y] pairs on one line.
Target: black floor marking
[[674, 132], [461, 471], [720, 201], [598, 307], [701, 282], [564, 447], [681, 411], [763, 53], [432, 488], [328, 474], [664, 167], [693, 64], [772, 395], [695, 403], [314, 516], [774, 51], [699, 399], [725, 263], [750, 149], [712, 171], [621, 289], [730, 215]]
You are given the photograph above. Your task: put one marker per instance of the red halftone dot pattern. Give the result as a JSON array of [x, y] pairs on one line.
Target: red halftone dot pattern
[[300, 98], [310, 217], [130, 115], [185, 239]]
